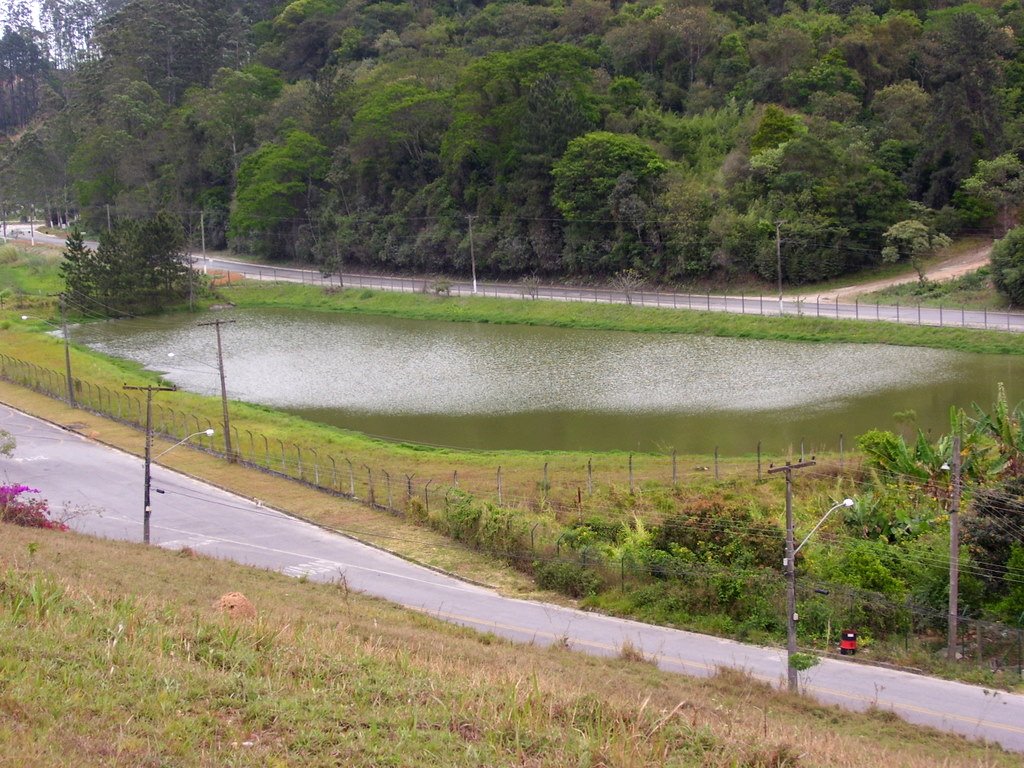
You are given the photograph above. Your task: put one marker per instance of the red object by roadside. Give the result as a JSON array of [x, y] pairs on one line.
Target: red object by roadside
[[848, 642]]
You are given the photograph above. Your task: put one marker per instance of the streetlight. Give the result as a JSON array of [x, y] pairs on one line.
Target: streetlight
[[952, 629], [789, 562], [147, 509], [67, 350], [207, 432]]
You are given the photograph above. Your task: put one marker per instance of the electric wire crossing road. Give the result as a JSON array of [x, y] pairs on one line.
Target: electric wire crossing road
[[106, 484]]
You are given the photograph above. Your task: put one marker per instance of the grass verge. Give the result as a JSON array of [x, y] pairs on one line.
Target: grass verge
[[113, 655]]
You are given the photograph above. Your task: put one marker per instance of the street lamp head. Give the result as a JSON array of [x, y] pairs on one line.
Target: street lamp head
[[209, 433], [945, 466], [847, 502], [24, 317]]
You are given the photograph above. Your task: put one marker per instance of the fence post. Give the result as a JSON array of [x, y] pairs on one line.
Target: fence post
[[455, 478], [316, 467], [351, 479], [547, 485], [759, 461], [590, 477], [499, 486], [426, 497], [369, 476], [334, 473], [266, 448], [408, 478], [298, 458], [284, 465], [387, 479]]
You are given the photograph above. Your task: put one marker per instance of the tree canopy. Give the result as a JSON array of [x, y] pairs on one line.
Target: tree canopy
[[372, 133]]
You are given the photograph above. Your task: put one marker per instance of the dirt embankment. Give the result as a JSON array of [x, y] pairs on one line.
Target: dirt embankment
[[955, 266]]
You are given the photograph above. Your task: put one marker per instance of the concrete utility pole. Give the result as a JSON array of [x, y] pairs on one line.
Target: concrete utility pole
[[778, 256], [147, 509], [67, 352], [472, 253], [954, 553], [790, 566], [223, 388]]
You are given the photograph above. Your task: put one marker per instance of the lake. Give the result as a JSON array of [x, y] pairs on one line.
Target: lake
[[499, 387]]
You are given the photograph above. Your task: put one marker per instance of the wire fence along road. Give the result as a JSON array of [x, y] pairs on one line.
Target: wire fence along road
[[219, 524], [817, 306], [956, 316]]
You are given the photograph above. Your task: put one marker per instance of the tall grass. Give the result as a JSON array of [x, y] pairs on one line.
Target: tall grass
[[130, 665]]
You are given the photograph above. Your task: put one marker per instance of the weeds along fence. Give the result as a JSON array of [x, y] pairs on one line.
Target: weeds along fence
[[909, 313], [523, 522]]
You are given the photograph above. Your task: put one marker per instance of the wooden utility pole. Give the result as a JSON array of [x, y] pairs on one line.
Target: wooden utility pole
[[223, 388], [790, 565], [146, 508], [954, 552]]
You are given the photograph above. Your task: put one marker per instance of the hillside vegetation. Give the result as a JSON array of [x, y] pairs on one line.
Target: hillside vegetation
[[115, 654], [664, 139]]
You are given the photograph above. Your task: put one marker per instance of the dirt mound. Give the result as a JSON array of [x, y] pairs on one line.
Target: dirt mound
[[235, 604]]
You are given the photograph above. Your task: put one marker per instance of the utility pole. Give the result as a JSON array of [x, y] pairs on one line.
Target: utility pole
[[790, 565], [67, 352], [472, 253], [31, 222], [223, 388], [202, 236], [954, 552], [146, 508], [778, 256]]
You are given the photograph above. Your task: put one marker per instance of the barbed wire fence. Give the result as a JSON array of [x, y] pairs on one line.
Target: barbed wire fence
[[522, 520]]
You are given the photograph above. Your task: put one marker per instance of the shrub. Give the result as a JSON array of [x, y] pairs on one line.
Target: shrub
[[30, 513], [568, 578], [1008, 266]]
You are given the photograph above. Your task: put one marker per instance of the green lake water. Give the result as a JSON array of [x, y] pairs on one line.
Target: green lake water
[[498, 387]]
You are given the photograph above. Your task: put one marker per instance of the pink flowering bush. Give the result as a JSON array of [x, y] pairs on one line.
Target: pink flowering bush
[[31, 513]]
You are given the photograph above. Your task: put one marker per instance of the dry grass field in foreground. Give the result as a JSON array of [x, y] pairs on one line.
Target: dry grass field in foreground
[[114, 654]]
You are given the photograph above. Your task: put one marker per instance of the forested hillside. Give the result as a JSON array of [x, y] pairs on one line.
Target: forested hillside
[[577, 139]]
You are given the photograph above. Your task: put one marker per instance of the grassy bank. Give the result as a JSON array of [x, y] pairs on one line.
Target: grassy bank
[[617, 317], [114, 655]]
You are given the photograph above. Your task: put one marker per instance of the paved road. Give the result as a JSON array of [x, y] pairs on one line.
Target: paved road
[[808, 306], [108, 485]]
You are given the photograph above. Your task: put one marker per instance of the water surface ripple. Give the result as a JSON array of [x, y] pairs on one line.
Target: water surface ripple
[[488, 386]]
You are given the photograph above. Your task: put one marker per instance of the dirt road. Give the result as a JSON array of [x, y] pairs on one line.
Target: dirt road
[[956, 266]]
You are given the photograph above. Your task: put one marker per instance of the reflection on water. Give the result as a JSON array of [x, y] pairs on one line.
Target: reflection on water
[[485, 386]]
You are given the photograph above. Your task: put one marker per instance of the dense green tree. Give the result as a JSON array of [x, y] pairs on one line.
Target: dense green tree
[[608, 181], [139, 266], [277, 188], [1008, 266], [1000, 183]]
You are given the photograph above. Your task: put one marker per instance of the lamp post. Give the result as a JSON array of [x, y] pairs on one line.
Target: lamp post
[[952, 629], [790, 564], [67, 349], [147, 510]]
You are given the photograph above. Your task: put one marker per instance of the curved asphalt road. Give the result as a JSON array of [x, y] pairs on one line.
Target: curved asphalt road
[[107, 484], [809, 306]]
